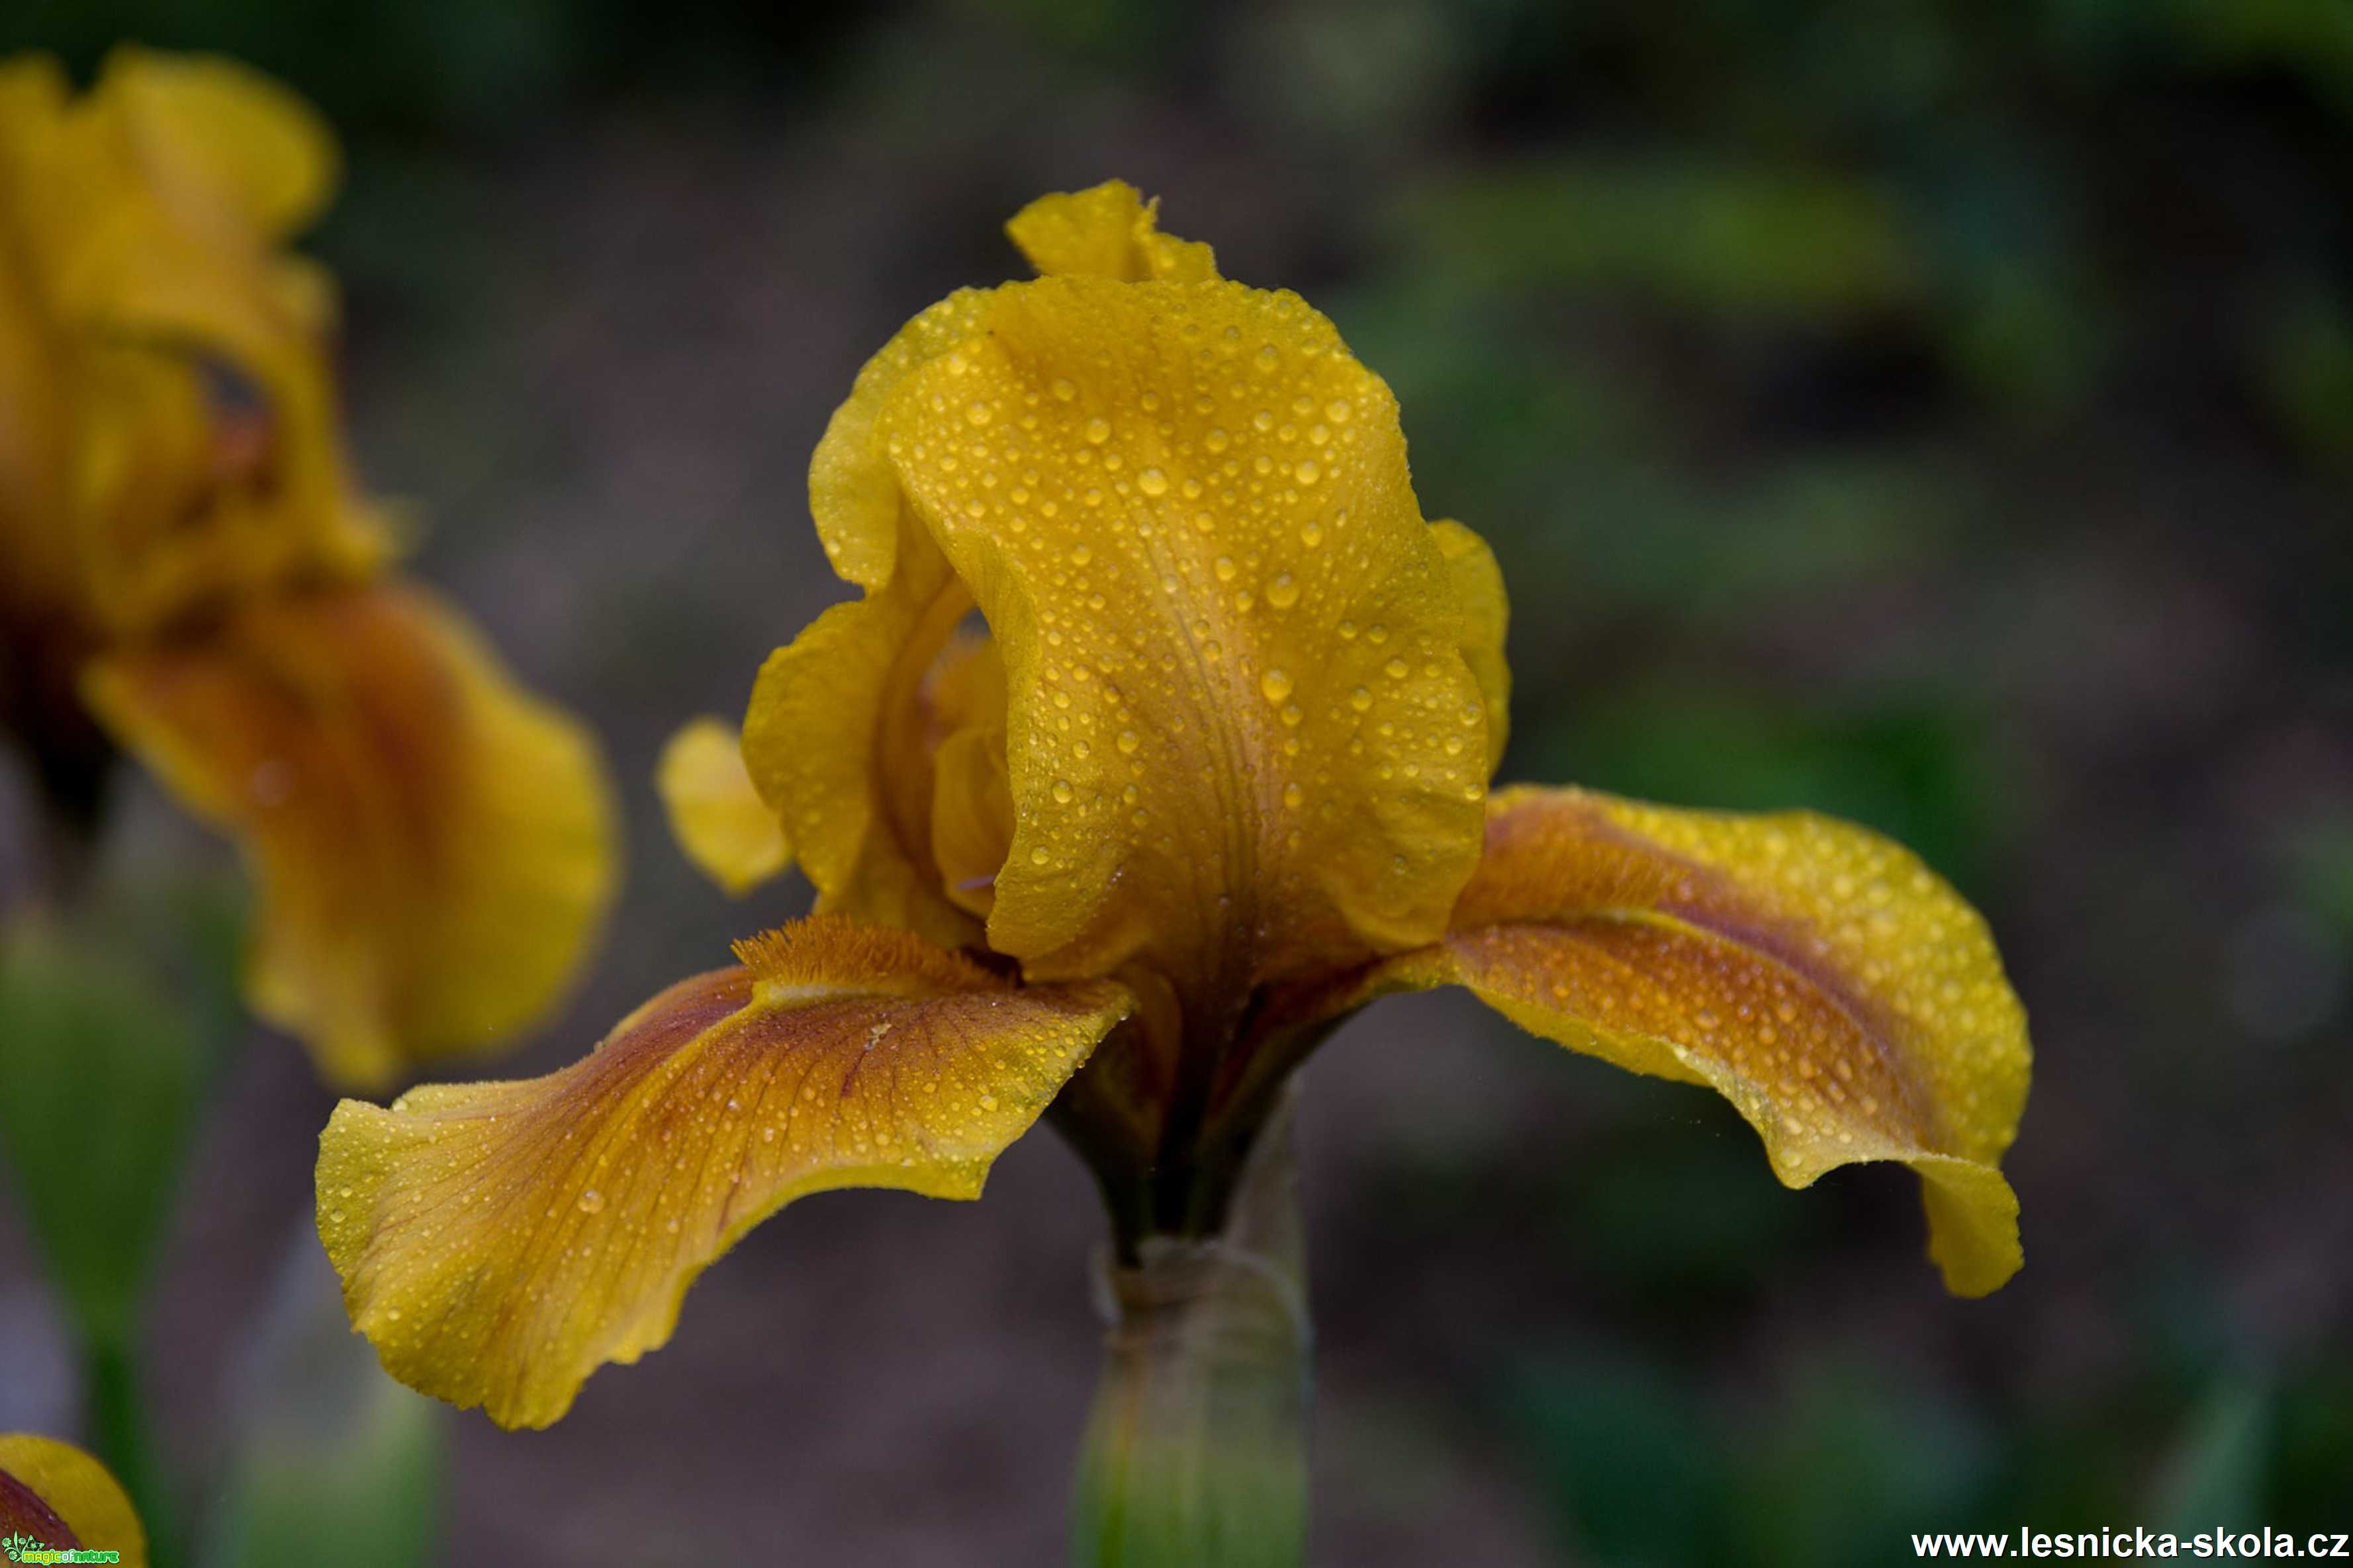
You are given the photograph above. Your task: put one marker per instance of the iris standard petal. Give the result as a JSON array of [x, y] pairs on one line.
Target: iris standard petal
[[247, 142], [1108, 231], [1842, 995], [718, 818], [435, 846], [1242, 736], [839, 740], [63, 1498], [498, 1242], [853, 489], [1479, 594], [972, 814]]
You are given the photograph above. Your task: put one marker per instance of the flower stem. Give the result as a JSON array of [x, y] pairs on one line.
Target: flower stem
[[1196, 1453]]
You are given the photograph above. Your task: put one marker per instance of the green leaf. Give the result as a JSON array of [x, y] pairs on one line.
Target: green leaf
[[100, 1077]]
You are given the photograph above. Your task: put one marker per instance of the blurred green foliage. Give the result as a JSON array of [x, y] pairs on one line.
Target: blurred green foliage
[[113, 1027], [1648, 1471], [333, 1462]]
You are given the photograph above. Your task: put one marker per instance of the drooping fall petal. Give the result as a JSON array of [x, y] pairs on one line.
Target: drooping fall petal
[[435, 846], [498, 1242], [54, 1493], [718, 818], [1842, 996]]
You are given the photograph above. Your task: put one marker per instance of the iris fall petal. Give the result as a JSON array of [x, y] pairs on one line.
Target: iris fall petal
[[435, 846], [498, 1242], [1842, 996]]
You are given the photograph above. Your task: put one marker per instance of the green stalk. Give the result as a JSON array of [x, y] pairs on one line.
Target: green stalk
[[1196, 1453]]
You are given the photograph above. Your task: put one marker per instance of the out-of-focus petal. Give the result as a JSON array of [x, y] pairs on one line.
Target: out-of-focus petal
[[499, 1242], [38, 574], [57, 1495], [245, 141], [1842, 996], [719, 819], [435, 846], [142, 221]]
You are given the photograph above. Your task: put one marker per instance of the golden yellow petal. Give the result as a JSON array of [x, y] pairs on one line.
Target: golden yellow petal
[[839, 740], [719, 819], [206, 461], [499, 1242], [39, 572], [1108, 231], [247, 141], [972, 815], [1242, 736], [854, 492], [1486, 611], [853, 488], [39, 575], [435, 846], [45, 1484], [1842, 996]]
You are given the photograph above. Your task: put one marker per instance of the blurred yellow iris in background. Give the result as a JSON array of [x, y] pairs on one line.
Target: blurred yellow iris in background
[[184, 556]]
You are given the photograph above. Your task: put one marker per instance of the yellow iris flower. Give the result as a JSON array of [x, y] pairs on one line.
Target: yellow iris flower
[[57, 1495], [183, 558], [1157, 743]]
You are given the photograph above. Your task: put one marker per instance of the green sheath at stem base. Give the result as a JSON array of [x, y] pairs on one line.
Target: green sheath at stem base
[[1196, 1453]]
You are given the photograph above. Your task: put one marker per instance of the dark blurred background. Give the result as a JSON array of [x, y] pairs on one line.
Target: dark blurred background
[[1937, 412]]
